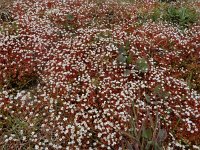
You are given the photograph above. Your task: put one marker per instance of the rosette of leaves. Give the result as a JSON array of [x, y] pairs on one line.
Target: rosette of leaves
[[182, 16], [142, 65], [148, 136], [124, 57]]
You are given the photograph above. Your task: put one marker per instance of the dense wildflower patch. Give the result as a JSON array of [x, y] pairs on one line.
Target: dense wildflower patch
[[71, 71]]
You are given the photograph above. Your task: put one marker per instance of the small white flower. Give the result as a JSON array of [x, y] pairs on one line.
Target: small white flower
[[99, 135], [64, 119], [23, 138], [37, 147]]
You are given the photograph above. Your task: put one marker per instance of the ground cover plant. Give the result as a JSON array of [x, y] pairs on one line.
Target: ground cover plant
[[99, 74]]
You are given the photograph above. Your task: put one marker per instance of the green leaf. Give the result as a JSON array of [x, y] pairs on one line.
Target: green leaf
[[121, 49], [156, 14], [121, 58], [189, 78], [162, 135], [127, 45], [128, 59], [127, 72], [70, 17], [156, 146], [157, 89], [149, 143], [142, 65], [147, 133], [147, 97]]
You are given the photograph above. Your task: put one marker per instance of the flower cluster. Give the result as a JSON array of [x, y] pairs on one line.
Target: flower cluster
[[69, 72]]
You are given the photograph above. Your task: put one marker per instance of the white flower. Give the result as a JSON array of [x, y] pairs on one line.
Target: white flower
[[64, 119], [23, 138], [37, 147], [99, 135]]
